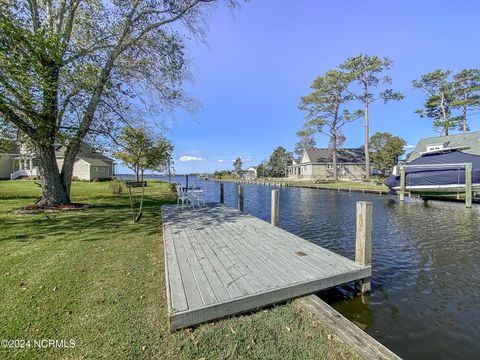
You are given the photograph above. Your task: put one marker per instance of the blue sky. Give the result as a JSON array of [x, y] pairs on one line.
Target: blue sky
[[262, 58]]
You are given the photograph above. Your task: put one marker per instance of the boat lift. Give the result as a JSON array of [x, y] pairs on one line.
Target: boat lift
[[468, 178]]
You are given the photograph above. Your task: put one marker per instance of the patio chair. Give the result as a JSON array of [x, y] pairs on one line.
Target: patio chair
[[197, 198], [182, 197]]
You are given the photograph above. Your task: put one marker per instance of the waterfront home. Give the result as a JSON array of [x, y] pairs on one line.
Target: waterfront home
[[318, 164], [250, 173], [19, 162], [466, 142]]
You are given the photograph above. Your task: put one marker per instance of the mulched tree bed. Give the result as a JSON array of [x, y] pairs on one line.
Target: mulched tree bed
[[34, 209]]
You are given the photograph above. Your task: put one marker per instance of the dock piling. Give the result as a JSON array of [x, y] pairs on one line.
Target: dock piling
[[275, 207], [363, 244], [402, 184], [222, 194], [240, 198], [468, 185]]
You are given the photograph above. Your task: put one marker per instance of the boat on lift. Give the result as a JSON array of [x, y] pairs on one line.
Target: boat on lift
[[438, 174]]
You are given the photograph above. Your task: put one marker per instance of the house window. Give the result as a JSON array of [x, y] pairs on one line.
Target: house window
[[302, 169], [95, 168], [329, 166], [102, 169], [434, 147]]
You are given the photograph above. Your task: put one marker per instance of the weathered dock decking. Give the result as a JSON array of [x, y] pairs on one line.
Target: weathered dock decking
[[220, 261]]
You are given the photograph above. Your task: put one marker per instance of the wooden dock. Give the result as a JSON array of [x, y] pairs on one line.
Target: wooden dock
[[220, 261]]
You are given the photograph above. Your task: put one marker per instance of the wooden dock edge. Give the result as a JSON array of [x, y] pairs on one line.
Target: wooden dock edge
[[357, 339], [178, 320]]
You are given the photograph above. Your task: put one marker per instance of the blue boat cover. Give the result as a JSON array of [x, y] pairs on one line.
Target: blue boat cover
[[449, 175]]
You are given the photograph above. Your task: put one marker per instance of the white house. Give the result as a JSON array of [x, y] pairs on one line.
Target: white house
[[89, 164], [250, 173]]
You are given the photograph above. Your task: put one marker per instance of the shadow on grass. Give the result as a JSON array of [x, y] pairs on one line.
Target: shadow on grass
[[106, 219]]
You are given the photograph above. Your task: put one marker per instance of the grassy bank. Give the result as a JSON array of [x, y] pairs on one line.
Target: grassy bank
[[94, 277], [360, 185]]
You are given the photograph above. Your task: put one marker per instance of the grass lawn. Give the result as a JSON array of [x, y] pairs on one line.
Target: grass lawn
[[94, 277], [360, 185]]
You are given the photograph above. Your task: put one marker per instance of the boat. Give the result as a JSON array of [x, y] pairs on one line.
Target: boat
[[438, 174], [202, 176]]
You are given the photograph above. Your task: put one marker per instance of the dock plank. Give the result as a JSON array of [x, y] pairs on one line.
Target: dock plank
[[220, 262]]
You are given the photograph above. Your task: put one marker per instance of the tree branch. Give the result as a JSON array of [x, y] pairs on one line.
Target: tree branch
[[12, 117]]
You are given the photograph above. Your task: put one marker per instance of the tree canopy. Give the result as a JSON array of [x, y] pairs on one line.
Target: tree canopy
[[440, 98], [450, 100], [368, 72], [306, 140], [140, 151], [466, 88], [278, 162], [385, 149], [237, 166], [325, 112]]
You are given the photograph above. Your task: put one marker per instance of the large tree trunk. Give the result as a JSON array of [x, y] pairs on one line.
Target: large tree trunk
[[366, 141], [53, 190], [334, 160], [334, 156]]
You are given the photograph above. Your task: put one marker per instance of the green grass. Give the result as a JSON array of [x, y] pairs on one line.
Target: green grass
[[95, 277], [360, 185]]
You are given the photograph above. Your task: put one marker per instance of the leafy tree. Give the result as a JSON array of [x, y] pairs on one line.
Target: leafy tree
[[466, 87], [68, 68], [237, 165], [440, 99], [324, 109], [263, 169], [367, 72], [160, 156], [306, 141], [222, 174], [385, 149], [278, 162], [141, 152], [7, 137]]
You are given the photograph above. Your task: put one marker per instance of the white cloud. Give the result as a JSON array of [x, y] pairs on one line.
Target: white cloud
[[190, 158], [409, 147], [222, 160], [246, 158]]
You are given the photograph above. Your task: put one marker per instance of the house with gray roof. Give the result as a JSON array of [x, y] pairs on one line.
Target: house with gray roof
[[317, 164], [466, 142], [19, 162]]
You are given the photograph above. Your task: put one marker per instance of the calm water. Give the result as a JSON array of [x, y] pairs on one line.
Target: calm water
[[425, 302]]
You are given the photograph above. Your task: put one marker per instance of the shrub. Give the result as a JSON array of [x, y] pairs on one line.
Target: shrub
[[116, 186]]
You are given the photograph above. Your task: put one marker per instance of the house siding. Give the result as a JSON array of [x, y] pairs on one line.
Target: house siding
[[81, 170], [84, 171], [325, 172], [98, 172], [6, 166]]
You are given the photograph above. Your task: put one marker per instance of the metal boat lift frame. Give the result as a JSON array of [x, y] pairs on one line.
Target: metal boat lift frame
[[468, 178]]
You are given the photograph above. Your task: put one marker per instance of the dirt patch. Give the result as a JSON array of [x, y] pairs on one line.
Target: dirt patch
[[34, 209]]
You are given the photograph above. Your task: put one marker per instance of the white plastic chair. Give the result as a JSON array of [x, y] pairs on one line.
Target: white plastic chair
[[182, 197], [197, 198]]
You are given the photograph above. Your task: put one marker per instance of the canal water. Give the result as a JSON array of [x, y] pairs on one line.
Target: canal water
[[425, 302]]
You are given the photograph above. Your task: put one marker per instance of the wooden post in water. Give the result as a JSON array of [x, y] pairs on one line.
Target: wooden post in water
[[240, 198], [363, 244], [275, 207], [468, 185], [222, 194], [402, 183]]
